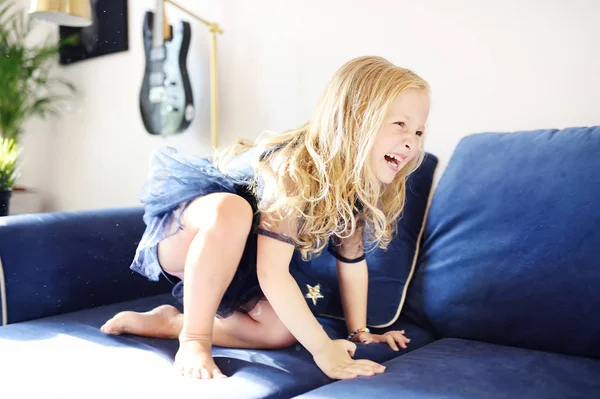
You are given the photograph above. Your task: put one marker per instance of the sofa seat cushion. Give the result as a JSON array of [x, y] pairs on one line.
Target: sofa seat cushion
[[67, 356], [456, 368]]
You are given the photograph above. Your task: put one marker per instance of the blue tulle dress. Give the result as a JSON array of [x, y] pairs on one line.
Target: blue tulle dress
[[176, 178]]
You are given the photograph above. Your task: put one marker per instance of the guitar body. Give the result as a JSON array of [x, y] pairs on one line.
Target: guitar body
[[166, 101]]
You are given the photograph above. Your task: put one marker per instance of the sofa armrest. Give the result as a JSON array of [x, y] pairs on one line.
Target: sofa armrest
[[60, 262]]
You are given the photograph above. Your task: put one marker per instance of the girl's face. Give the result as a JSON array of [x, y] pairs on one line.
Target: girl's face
[[398, 140]]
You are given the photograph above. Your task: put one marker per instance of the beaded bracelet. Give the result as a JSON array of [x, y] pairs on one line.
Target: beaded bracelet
[[360, 330]]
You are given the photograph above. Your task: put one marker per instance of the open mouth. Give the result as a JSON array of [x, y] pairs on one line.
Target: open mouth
[[394, 161]]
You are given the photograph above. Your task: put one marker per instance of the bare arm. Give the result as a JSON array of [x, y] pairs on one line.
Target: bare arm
[[285, 296], [353, 281], [282, 291]]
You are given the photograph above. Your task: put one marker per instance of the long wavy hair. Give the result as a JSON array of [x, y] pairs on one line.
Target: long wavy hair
[[320, 173]]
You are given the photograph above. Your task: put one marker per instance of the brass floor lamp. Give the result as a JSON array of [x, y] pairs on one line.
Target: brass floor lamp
[[77, 13]]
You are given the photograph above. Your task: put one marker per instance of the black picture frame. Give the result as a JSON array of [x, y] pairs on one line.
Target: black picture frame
[[108, 34]]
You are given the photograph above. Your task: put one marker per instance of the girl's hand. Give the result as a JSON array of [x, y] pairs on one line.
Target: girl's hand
[[336, 362], [393, 339]]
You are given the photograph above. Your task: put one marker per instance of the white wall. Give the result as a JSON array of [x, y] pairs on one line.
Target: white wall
[[502, 66]]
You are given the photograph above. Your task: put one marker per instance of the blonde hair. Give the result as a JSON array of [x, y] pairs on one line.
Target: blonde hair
[[318, 172]]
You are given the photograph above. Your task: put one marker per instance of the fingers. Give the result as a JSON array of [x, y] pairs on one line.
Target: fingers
[[395, 339], [391, 342], [350, 347], [376, 367], [343, 375], [357, 370], [365, 368], [401, 340]]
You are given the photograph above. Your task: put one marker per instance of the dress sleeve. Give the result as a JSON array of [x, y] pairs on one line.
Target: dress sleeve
[[331, 249], [276, 236]]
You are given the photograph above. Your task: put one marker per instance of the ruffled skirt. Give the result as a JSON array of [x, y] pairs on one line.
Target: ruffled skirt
[[175, 179]]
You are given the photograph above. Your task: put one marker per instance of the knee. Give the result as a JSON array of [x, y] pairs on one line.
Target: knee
[[222, 214], [276, 334], [280, 337]]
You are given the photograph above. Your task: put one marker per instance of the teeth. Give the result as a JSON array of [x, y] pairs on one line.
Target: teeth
[[398, 159]]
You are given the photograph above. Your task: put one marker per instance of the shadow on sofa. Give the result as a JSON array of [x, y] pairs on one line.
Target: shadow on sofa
[[68, 272], [502, 301]]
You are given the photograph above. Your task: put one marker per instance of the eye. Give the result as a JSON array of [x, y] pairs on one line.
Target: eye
[[401, 124]]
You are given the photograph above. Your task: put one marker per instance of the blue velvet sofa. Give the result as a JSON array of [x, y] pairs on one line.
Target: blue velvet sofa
[[494, 275]]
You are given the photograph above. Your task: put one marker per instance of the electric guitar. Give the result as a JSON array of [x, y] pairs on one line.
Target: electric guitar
[[166, 101]]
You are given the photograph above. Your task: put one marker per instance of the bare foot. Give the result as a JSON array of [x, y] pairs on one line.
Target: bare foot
[[165, 321], [194, 359]]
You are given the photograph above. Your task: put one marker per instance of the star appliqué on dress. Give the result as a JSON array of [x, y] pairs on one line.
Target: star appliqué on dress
[[314, 293]]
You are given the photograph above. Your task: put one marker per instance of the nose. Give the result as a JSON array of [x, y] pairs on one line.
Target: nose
[[411, 143]]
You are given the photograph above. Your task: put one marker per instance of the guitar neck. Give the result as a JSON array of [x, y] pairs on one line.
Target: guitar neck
[[159, 25]]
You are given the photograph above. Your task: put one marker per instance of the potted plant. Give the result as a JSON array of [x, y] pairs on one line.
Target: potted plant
[[8, 171], [27, 87]]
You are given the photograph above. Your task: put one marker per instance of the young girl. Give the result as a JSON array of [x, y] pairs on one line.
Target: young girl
[[228, 225]]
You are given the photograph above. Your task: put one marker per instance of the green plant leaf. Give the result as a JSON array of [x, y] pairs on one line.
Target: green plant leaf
[[9, 156], [28, 88]]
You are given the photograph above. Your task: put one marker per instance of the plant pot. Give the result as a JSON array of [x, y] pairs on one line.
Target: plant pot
[[5, 202]]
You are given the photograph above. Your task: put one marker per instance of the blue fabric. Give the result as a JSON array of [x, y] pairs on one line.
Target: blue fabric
[[74, 359], [454, 368], [175, 179], [388, 270], [511, 251], [60, 262]]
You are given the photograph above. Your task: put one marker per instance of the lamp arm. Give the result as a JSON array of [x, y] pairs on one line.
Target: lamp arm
[[214, 29]]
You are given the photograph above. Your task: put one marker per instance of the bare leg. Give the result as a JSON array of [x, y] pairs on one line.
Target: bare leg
[[260, 329], [164, 321], [223, 223], [207, 253]]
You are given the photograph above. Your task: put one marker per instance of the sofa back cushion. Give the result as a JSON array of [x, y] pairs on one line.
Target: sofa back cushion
[[511, 248], [60, 262], [389, 270]]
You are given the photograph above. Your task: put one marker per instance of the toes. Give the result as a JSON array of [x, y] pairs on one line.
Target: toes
[[218, 374], [200, 373], [109, 328], [191, 372], [196, 373], [117, 324], [205, 374], [105, 327]]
